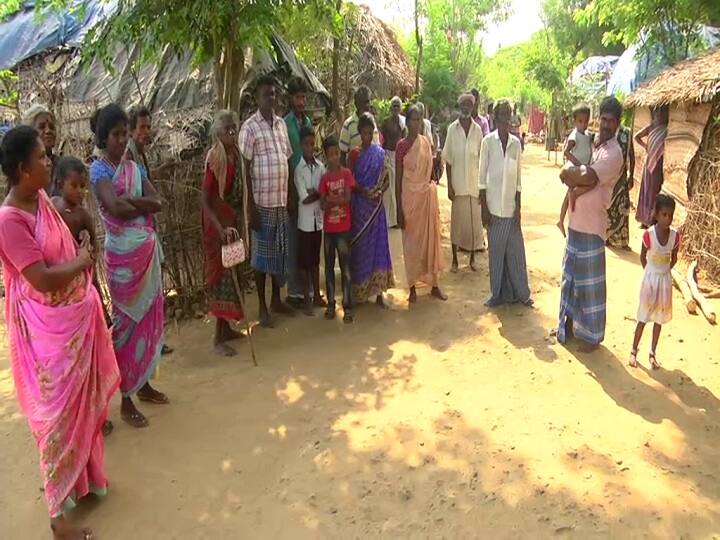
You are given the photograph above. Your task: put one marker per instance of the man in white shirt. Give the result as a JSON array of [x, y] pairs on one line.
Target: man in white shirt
[[500, 188], [462, 158]]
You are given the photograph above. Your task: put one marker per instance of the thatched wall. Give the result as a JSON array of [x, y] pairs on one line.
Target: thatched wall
[[702, 227], [685, 131]]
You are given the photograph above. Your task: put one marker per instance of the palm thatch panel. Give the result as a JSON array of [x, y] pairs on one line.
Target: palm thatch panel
[[696, 80]]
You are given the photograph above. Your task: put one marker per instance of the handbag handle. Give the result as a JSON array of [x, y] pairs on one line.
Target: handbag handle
[[235, 235]]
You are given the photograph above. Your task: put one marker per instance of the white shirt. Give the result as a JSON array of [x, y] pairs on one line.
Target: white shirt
[[310, 216], [500, 173], [583, 146], [462, 153]]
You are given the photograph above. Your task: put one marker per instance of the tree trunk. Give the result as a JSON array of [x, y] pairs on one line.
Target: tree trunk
[[336, 75], [229, 69], [418, 41]]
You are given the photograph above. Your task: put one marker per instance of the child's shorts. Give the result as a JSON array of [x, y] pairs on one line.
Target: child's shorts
[[309, 249]]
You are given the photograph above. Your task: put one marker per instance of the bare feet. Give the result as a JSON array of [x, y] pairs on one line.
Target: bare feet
[[62, 529], [413, 295], [633, 359], [561, 226], [223, 349], [437, 293], [231, 335], [282, 308], [472, 265], [149, 394], [265, 319], [130, 414], [380, 302], [454, 267], [107, 428]]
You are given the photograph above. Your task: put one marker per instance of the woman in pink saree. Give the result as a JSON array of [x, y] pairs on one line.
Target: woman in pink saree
[[132, 259], [418, 209], [61, 354]]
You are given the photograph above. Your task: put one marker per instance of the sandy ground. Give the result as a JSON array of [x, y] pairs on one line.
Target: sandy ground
[[443, 421]]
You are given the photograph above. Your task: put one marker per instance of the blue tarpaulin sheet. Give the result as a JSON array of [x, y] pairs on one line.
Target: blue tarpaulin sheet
[[24, 34]]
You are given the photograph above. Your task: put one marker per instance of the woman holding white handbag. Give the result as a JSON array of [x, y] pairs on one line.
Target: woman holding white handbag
[[223, 207]]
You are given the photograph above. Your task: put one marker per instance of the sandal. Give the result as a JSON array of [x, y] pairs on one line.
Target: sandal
[[633, 358], [136, 419], [653, 361], [157, 398]]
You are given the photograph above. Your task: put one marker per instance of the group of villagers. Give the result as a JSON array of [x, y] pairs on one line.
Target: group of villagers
[[266, 184]]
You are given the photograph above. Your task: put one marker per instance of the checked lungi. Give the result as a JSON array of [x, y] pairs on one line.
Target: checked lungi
[[508, 269], [270, 243], [583, 292]]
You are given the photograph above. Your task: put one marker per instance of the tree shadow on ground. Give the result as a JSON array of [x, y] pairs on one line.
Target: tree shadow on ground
[[692, 409]]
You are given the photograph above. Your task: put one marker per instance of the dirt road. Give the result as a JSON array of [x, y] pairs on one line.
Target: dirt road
[[443, 421]]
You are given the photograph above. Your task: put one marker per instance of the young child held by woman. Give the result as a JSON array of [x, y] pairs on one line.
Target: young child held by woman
[[658, 256]]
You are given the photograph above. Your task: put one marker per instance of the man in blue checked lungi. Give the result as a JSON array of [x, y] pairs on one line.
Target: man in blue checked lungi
[[583, 292], [500, 188], [265, 147]]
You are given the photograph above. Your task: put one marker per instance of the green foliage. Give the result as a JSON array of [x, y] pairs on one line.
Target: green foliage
[[452, 46], [9, 7], [576, 36], [667, 27], [505, 77], [8, 89]]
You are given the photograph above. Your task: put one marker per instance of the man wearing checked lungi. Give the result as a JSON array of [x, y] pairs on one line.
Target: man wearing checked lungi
[[500, 188], [583, 292], [265, 148]]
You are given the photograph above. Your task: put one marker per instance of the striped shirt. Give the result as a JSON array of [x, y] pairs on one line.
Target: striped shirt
[[350, 136]]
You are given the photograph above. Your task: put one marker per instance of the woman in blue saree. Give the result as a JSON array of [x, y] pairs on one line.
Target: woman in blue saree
[[371, 265]]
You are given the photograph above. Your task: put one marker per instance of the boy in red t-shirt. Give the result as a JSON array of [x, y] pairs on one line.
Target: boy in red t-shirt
[[335, 189]]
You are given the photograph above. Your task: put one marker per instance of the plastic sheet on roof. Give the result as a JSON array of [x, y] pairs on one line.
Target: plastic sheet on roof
[[23, 35], [632, 69]]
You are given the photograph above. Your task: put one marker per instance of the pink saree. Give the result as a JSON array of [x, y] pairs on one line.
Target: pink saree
[[62, 359], [422, 247], [132, 258]]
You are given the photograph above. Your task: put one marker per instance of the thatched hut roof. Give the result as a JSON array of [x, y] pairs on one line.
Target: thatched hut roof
[[387, 64], [696, 80]]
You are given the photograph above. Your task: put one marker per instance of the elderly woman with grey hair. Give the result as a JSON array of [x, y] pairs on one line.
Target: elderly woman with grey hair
[[43, 120], [223, 209]]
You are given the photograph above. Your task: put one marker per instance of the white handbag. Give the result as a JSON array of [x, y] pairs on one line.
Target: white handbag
[[234, 252]]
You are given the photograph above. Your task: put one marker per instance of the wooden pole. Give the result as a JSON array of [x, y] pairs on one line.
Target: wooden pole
[[684, 289], [241, 297], [705, 306]]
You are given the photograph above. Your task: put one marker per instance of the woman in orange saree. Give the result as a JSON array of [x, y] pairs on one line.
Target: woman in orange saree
[[418, 209], [62, 358]]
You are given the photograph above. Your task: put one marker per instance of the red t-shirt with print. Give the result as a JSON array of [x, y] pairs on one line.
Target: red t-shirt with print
[[336, 184]]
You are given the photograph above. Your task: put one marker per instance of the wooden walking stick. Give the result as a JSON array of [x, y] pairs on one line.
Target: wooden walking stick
[[241, 297]]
